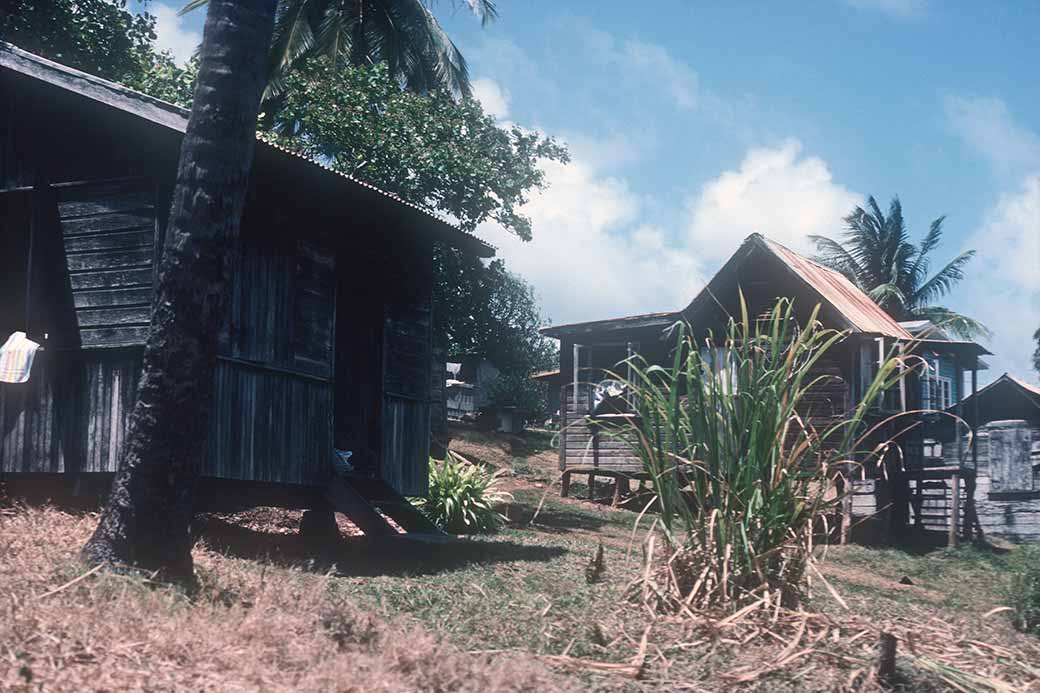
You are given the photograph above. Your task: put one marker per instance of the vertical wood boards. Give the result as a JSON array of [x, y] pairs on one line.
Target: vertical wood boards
[[273, 393], [407, 355], [72, 414]]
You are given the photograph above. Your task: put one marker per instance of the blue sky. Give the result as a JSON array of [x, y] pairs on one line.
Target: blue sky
[[692, 125]]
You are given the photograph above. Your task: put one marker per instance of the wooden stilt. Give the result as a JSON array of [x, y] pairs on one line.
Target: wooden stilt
[[845, 487], [617, 491], [592, 486], [955, 502], [565, 484]]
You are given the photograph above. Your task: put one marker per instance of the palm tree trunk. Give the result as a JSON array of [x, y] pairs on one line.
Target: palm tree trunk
[[146, 518]]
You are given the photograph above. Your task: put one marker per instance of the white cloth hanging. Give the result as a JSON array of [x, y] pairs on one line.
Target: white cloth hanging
[[16, 358]]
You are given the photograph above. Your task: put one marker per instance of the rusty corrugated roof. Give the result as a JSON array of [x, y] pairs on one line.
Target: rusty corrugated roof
[[860, 311]]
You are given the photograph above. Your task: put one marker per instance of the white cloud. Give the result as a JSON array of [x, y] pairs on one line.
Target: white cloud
[[678, 78], [586, 260], [1003, 290], [900, 9], [988, 127], [171, 35], [645, 62], [776, 192], [492, 97]]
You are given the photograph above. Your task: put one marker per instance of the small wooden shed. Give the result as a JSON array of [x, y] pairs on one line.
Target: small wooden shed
[[327, 341]]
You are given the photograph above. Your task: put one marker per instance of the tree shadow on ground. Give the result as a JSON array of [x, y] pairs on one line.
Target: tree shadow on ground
[[553, 519], [359, 556]]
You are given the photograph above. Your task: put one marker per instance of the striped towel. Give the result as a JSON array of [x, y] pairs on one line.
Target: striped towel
[[16, 358]]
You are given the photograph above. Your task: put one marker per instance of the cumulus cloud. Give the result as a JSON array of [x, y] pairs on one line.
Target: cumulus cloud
[[590, 257], [647, 62], [1003, 290], [777, 192], [492, 97], [986, 125], [171, 33]]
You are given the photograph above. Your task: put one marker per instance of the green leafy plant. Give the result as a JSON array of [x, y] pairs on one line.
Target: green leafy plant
[[742, 480], [1024, 598], [462, 497]]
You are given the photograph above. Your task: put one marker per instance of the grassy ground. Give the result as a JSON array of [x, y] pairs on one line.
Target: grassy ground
[[513, 611]]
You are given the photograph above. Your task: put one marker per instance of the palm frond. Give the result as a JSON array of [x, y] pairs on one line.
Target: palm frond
[[960, 325], [890, 297], [832, 254], [942, 281], [931, 241]]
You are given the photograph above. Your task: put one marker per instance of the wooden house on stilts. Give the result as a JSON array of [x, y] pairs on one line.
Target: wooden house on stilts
[[913, 485], [327, 342]]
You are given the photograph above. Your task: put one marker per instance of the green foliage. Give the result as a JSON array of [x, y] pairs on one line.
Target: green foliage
[[1024, 598], [516, 389], [164, 79], [741, 479], [101, 37], [462, 497], [401, 34], [877, 256], [1036, 352], [447, 155]]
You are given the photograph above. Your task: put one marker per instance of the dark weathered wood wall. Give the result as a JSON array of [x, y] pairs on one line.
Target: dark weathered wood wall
[[109, 238], [72, 414], [279, 390], [407, 355]]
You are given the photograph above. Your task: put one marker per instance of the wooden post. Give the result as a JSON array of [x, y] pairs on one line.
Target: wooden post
[[955, 502], [592, 486], [886, 669], [974, 417], [565, 484], [846, 505]]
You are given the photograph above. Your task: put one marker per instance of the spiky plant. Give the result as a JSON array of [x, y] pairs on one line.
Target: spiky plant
[[876, 254], [462, 497], [741, 478]]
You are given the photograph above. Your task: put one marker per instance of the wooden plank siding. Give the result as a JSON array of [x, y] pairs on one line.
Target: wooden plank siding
[[268, 426], [109, 237], [407, 355], [72, 414], [582, 445]]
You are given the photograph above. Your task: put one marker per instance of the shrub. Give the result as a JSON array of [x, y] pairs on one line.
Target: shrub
[[462, 497], [1024, 598], [741, 479]]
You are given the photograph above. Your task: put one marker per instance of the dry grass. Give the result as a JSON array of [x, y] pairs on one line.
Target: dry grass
[[512, 611], [250, 627]]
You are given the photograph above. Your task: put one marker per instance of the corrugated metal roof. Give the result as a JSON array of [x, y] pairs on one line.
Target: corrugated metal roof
[[169, 115], [860, 311], [627, 321], [1023, 384]]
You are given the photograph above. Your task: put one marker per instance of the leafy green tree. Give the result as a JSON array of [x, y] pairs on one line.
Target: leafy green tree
[[877, 256], [1036, 352], [401, 34], [450, 156], [435, 151], [101, 37]]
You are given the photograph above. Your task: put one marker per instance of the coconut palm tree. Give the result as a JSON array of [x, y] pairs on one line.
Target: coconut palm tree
[[876, 254], [404, 34], [147, 514]]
